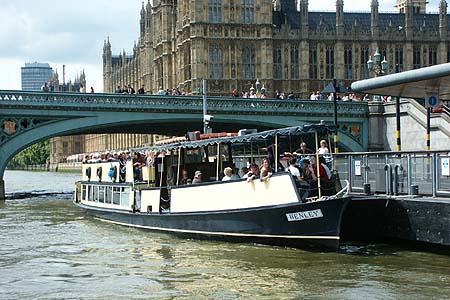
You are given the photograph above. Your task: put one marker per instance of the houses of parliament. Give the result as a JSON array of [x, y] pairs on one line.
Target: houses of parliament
[[233, 43]]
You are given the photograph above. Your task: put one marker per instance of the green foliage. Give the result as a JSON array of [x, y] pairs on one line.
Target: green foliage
[[36, 154]]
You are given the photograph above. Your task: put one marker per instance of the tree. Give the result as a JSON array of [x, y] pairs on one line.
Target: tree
[[36, 154]]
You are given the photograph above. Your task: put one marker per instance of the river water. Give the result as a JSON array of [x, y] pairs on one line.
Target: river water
[[50, 250]]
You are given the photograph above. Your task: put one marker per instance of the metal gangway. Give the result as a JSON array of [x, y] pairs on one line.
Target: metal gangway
[[425, 173]]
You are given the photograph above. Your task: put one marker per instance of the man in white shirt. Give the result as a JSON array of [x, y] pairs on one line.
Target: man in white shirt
[[293, 169]]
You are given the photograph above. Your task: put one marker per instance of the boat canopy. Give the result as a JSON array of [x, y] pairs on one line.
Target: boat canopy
[[288, 131]]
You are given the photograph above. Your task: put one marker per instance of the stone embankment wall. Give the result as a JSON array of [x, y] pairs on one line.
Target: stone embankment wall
[[382, 128], [61, 167]]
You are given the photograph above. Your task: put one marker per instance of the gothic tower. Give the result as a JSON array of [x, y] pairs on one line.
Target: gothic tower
[[107, 67], [443, 25], [340, 18], [409, 18], [304, 16], [374, 18], [419, 6]]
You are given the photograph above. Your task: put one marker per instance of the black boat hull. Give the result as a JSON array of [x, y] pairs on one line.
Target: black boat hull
[[308, 225]]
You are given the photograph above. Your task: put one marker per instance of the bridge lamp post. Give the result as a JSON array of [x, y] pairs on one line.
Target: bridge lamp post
[[205, 107], [377, 67]]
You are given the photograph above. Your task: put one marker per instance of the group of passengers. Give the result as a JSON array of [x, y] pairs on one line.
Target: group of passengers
[[102, 157], [198, 178], [306, 171], [138, 159], [302, 166]]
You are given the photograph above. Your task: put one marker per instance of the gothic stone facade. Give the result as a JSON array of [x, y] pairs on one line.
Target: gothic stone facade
[[233, 43]]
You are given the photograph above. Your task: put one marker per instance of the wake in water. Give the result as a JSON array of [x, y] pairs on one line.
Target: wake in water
[[33, 194]]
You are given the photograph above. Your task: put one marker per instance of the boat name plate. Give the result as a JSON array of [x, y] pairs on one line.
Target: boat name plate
[[304, 215]]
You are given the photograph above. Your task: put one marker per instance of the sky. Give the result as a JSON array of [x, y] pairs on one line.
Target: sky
[[72, 33]]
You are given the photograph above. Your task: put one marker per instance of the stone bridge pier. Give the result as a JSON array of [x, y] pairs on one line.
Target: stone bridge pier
[[2, 190]]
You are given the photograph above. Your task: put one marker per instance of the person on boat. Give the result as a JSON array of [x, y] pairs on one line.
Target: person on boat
[[323, 149], [324, 172], [198, 177], [265, 170], [184, 178], [229, 174], [244, 171], [305, 179], [271, 157], [295, 172], [122, 166], [253, 173], [306, 175], [138, 163], [300, 152], [324, 152]]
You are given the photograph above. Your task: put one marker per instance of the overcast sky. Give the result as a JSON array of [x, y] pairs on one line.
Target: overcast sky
[[72, 33]]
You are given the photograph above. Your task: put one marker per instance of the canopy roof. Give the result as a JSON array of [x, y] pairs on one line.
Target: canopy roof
[[409, 84], [289, 131]]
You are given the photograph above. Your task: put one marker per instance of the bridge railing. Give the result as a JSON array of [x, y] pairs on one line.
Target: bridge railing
[[394, 173], [174, 103]]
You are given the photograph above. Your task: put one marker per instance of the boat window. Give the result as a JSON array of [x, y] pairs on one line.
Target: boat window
[[125, 197], [137, 197], [83, 192], [108, 195], [95, 192], [101, 194], [116, 195], [89, 194]]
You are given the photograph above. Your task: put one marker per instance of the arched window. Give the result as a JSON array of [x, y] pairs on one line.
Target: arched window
[[248, 11], [215, 11], [348, 62], [249, 62], [313, 62], [295, 65], [215, 62], [329, 62], [277, 63], [363, 58]]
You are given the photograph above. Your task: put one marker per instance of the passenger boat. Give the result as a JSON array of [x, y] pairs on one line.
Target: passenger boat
[[270, 212]]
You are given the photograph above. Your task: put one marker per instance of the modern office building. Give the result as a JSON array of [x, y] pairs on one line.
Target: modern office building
[[34, 75], [287, 47]]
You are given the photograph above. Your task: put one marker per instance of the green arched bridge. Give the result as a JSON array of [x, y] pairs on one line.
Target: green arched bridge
[[29, 117]]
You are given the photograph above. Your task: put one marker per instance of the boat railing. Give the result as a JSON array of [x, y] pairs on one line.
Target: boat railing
[[344, 191], [396, 173]]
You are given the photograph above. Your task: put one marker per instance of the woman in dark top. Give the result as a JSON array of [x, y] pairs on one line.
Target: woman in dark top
[[122, 167]]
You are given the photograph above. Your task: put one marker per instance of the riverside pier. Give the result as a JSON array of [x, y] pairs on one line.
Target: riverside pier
[[404, 195], [397, 196]]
